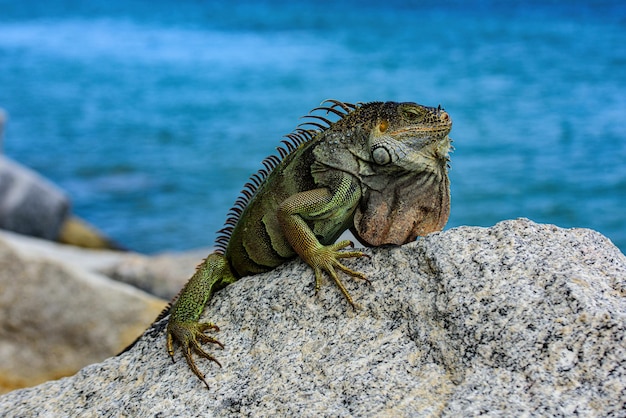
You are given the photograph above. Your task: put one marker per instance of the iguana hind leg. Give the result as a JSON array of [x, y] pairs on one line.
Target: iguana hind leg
[[189, 335], [183, 326]]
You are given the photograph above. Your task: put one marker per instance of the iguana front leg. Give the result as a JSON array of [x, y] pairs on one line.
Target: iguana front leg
[[328, 212]]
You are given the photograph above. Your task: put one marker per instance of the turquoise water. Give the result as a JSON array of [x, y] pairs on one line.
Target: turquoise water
[[152, 115]]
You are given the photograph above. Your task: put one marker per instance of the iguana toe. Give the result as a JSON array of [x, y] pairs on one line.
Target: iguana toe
[[189, 335], [327, 259]]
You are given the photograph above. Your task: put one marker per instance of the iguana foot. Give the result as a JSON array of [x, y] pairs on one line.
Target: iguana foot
[[189, 335], [326, 258]]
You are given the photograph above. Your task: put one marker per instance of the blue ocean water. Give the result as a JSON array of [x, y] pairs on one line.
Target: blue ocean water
[[152, 115]]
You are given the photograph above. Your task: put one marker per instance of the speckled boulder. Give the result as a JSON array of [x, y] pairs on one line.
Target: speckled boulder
[[30, 204], [56, 316], [518, 319]]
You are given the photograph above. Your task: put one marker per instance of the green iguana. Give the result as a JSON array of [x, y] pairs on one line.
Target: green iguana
[[380, 170]]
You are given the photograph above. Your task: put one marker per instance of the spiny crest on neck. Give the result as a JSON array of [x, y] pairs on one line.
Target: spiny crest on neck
[[296, 138]]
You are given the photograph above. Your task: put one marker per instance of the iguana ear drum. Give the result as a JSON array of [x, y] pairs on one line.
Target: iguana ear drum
[[409, 207], [381, 155]]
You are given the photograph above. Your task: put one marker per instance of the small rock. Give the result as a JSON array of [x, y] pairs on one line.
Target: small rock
[[76, 231], [33, 206], [3, 120], [29, 204]]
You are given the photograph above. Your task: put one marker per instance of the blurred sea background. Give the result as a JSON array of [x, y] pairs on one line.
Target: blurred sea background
[[153, 114]]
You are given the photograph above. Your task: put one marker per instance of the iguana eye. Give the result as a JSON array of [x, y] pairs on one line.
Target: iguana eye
[[381, 156], [411, 114], [383, 126]]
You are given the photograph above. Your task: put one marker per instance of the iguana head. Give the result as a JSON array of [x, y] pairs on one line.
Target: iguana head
[[404, 173]]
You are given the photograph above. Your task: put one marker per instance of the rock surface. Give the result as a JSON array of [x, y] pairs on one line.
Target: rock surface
[[30, 204], [519, 319], [56, 316], [3, 120], [162, 275]]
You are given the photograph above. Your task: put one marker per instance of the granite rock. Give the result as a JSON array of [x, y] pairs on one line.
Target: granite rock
[[56, 317], [33, 206], [30, 204], [3, 120], [162, 275], [519, 319]]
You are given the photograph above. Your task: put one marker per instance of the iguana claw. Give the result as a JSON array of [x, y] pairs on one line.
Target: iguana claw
[[325, 258], [189, 335]]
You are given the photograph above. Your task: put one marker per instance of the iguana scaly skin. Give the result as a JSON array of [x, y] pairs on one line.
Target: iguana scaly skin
[[380, 170]]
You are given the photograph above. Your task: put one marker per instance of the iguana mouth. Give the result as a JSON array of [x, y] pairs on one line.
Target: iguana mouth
[[440, 124], [443, 130]]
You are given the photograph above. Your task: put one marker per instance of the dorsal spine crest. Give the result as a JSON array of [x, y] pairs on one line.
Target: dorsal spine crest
[[299, 136]]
